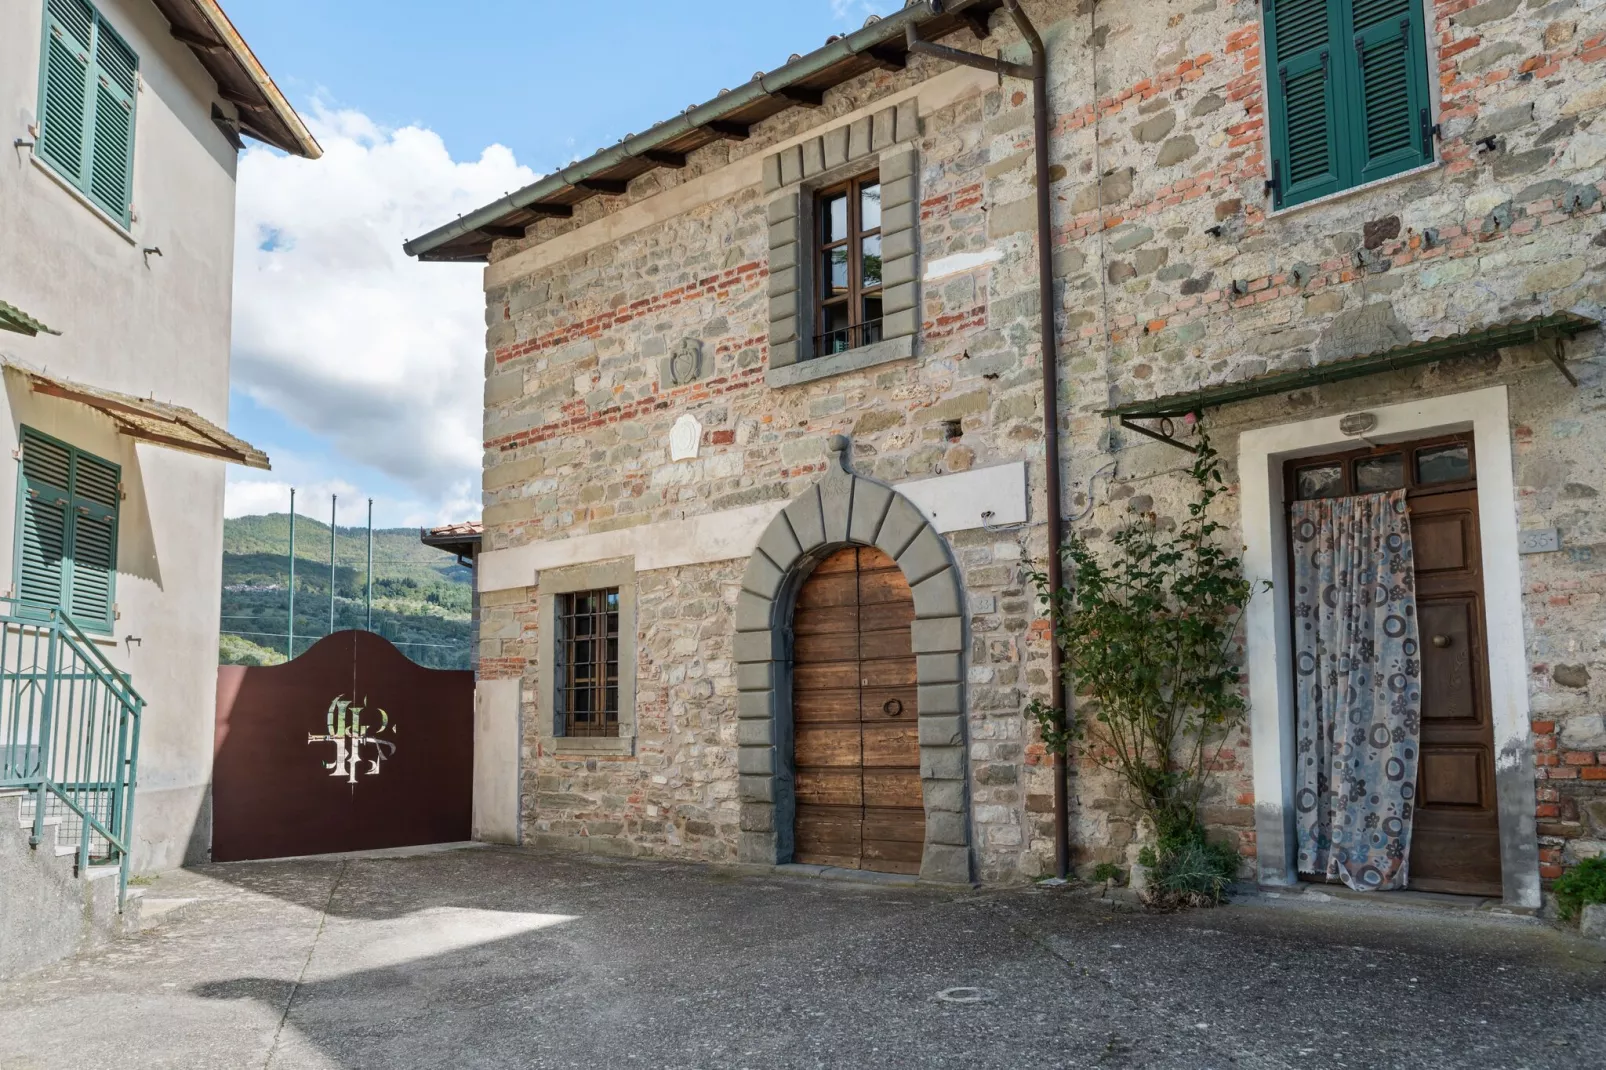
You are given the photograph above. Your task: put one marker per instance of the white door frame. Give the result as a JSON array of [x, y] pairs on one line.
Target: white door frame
[[1261, 453]]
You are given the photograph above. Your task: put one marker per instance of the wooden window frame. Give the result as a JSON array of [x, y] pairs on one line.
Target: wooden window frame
[[552, 722], [860, 332], [1409, 448], [592, 642]]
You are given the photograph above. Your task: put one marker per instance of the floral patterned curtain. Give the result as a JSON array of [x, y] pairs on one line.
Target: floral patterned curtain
[[1358, 679]]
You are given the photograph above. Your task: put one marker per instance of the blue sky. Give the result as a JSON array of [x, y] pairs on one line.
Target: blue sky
[[359, 371]]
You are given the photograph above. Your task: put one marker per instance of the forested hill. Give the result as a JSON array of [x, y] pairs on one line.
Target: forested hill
[[421, 594]]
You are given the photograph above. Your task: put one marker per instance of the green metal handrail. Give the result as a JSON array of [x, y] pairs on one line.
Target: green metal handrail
[[69, 732]]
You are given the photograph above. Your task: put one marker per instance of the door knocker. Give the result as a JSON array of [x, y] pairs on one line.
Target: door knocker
[[892, 708]]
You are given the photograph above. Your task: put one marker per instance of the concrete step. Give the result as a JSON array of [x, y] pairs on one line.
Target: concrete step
[[162, 910]]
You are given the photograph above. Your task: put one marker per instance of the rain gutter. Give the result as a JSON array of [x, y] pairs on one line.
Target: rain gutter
[[857, 43], [1037, 71]]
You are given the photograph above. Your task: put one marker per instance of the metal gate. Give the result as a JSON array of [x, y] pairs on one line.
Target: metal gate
[[349, 747]]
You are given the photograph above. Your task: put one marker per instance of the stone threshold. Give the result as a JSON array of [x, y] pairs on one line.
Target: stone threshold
[[1437, 902], [861, 876]]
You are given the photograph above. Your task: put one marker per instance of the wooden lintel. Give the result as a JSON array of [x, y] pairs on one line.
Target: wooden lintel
[[728, 130], [808, 98], [665, 158], [197, 41], [888, 58], [614, 187]]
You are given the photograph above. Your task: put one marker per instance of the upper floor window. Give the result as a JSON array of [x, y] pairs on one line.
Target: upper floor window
[[66, 551], [1349, 100], [847, 301], [87, 84]]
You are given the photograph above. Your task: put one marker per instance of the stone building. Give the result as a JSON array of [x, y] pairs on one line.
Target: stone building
[[1251, 205]]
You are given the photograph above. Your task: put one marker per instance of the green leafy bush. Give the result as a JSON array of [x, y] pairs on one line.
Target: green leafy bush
[[1583, 885], [1148, 625], [1107, 871]]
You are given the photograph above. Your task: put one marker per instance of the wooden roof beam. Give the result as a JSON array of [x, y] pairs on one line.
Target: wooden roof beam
[[888, 58], [730, 131], [665, 158], [614, 187], [808, 98], [198, 41]]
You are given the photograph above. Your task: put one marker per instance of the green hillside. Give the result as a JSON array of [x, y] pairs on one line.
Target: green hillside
[[421, 595]]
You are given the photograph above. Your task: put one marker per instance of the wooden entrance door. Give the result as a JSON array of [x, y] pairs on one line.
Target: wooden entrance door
[[856, 751], [1455, 837]]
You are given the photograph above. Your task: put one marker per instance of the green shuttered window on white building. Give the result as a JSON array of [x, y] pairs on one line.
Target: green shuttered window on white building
[[66, 548], [1348, 94], [88, 81]]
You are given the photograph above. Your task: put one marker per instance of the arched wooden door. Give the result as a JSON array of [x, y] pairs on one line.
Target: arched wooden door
[[855, 720]]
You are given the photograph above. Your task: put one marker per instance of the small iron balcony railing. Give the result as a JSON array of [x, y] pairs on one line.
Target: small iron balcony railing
[[69, 734], [846, 338]]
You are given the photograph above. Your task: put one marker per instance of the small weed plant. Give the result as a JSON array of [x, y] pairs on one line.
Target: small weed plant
[[1148, 627], [1583, 885]]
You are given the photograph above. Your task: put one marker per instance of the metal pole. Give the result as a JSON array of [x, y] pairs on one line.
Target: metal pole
[[369, 598], [290, 648], [332, 499]]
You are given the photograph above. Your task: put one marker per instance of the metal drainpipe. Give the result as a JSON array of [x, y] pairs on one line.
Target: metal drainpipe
[[1037, 71]]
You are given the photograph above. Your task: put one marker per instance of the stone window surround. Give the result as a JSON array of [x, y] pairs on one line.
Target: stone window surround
[[843, 509], [1261, 453], [620, 573], [1435, 108], [877, 142]]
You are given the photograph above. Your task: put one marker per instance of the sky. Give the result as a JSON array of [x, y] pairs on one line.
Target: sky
[[359, 370]]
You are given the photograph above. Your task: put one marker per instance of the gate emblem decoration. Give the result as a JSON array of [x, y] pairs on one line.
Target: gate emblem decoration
[[349, 735]]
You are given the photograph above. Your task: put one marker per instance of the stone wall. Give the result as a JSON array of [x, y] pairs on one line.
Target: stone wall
[[1171, 272]]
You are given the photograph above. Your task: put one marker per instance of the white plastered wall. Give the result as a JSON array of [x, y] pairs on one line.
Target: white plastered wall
[[144, 325], [1261, 454]]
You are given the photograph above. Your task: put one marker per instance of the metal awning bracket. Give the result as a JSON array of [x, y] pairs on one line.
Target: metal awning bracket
[[1558, 354], [1165, 431]]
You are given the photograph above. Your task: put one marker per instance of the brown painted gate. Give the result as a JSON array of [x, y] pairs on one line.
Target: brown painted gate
[[349, 747], [855, 720]]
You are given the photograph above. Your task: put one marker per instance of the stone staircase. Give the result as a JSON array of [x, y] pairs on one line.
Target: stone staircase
[[48, 909]]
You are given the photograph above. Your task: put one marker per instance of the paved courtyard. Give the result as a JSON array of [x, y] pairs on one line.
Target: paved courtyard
[[501, 958]]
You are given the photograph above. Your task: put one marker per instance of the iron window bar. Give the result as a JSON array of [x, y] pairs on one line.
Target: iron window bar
[[843, 339], [588, 669]]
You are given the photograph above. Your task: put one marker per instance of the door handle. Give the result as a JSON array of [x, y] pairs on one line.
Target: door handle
[[1441, 641]]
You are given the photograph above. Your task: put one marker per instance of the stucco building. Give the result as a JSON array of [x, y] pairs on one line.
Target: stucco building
[[116, 267], [765, 424]]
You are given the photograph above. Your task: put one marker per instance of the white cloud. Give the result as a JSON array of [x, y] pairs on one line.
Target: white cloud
[[344, 335], [252, 492]]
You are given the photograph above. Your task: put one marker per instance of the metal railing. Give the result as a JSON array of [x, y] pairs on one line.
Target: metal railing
[[69, 734]]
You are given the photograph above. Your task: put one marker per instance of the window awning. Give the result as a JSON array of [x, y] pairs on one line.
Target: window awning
[[15, 319], [147, 420], [1555, 327]]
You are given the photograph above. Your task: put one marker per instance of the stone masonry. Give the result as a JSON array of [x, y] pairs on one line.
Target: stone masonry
[[1170, 272]]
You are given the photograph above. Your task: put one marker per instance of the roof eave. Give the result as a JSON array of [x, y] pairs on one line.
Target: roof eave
[[887, 32]]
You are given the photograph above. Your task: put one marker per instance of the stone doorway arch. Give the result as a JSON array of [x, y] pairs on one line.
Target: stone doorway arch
[[841, 510]]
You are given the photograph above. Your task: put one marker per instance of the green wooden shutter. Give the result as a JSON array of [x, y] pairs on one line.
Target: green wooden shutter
[[64, 137], [1390, 127], [114, 81], [1305, 97], [43, 520], [67, 532], [92, 578]]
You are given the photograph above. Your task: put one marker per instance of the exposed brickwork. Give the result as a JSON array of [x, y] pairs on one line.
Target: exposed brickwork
[[1171, 272]]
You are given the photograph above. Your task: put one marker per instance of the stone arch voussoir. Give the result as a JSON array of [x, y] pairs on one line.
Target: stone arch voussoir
[[843, 509]]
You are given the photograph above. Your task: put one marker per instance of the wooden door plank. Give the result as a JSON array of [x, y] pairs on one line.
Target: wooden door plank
[[829, 787], [891, 744], [826, 620], [813, 706], [825, 676], [893, 787], [889, 704], [826, 646], [829, 589], [817, 746]]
